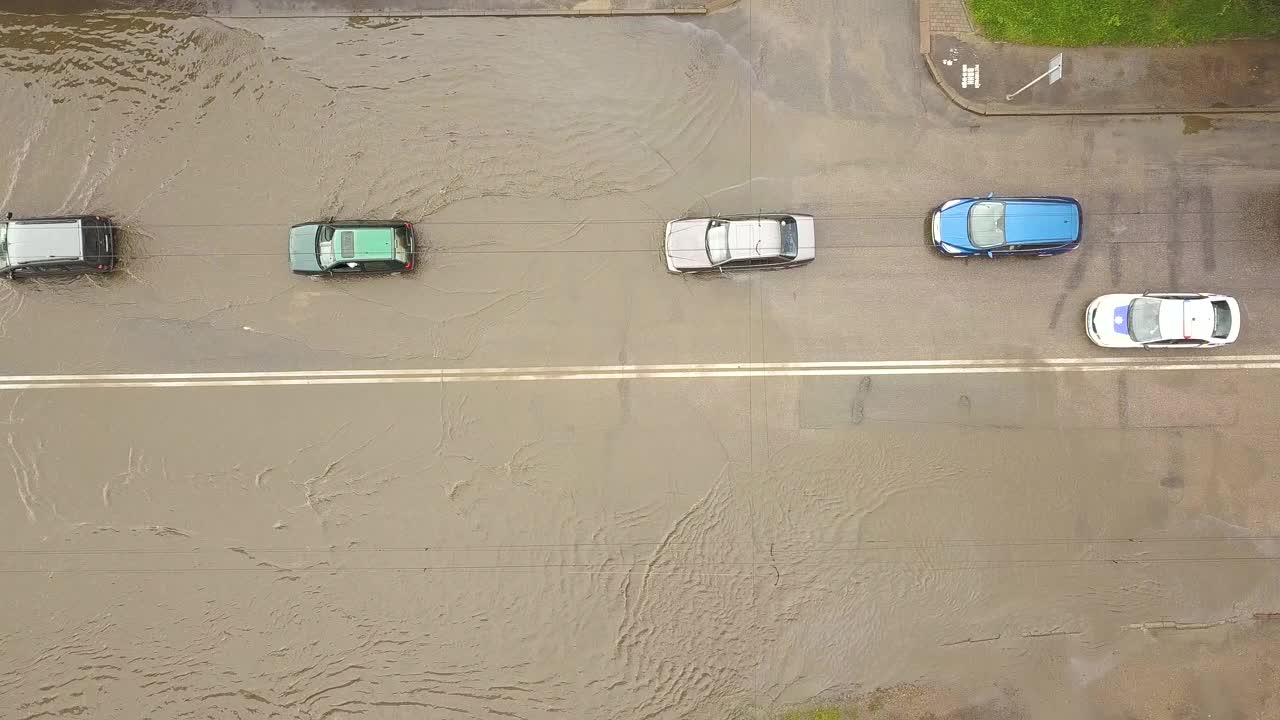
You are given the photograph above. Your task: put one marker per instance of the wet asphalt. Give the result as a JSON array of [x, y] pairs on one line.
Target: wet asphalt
[[1040, 545]]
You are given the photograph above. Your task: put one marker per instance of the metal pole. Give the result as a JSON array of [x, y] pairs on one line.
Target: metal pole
[[1033, 82]]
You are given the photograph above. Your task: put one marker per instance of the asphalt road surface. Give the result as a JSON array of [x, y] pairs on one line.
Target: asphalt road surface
[[540, 477]]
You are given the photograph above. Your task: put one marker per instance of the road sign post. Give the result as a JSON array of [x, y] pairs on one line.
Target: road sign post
[[1054, 73]]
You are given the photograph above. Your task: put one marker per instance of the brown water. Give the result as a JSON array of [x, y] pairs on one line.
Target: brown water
[[1026, 547], [206, 141]]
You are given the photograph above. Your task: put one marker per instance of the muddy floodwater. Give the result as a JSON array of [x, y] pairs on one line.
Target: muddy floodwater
[[906, 545]]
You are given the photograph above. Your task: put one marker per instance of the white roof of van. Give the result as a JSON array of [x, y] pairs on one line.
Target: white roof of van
[[38, 241]]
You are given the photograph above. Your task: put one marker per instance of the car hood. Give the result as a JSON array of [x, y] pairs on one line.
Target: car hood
[[686, 244], [953, 225], [1107, 320], [1041, 222], [302, 248]]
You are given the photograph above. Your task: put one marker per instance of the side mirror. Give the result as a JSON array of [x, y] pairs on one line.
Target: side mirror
[[990, 195], [1146, 293], [990, 254], [8, 216]]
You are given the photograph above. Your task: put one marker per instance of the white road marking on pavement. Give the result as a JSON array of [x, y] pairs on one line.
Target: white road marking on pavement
[[637, 372]]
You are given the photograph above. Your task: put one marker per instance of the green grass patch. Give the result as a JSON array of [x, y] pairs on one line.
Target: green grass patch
[[1079, 23]]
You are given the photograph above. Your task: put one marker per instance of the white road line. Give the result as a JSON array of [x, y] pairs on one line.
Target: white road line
[[636, 372], [1178, 361]]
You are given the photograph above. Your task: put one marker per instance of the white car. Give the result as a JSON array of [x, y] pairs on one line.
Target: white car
[[741, 242], [1175, 320]]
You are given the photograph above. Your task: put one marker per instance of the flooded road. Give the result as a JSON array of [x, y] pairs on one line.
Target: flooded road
[[531, 551], [1021, 545]]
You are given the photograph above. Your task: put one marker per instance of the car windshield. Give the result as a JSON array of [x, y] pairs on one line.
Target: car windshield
[[324, 246], [718, 242], [790, 239], [1144, 320], [402, 244], [4, 244], [986, 224], [1221, 319]]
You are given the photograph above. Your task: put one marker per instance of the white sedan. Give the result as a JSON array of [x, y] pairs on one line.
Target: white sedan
[[741, 242], [1174, 320]]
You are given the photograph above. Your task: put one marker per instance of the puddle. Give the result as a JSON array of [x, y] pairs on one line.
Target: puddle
[[1192, 124]]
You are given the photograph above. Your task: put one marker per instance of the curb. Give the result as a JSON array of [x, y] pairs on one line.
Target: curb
[[513, 13], [987, 111], [926, 35]]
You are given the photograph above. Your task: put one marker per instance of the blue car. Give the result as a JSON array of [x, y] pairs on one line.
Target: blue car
[[1006, 226]]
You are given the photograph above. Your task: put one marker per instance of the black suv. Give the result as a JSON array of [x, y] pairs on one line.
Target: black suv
[[56, 245]]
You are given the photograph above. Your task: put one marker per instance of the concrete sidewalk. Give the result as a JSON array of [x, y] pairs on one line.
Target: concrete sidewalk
[[1238, 76], [377, 8]]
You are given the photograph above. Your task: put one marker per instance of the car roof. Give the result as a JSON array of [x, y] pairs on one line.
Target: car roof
[[755, 237], [32, 241], [1040, 221], [363, 242], [1186, 319]]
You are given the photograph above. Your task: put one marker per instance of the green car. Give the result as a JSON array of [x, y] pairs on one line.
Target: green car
[[351, 246]]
